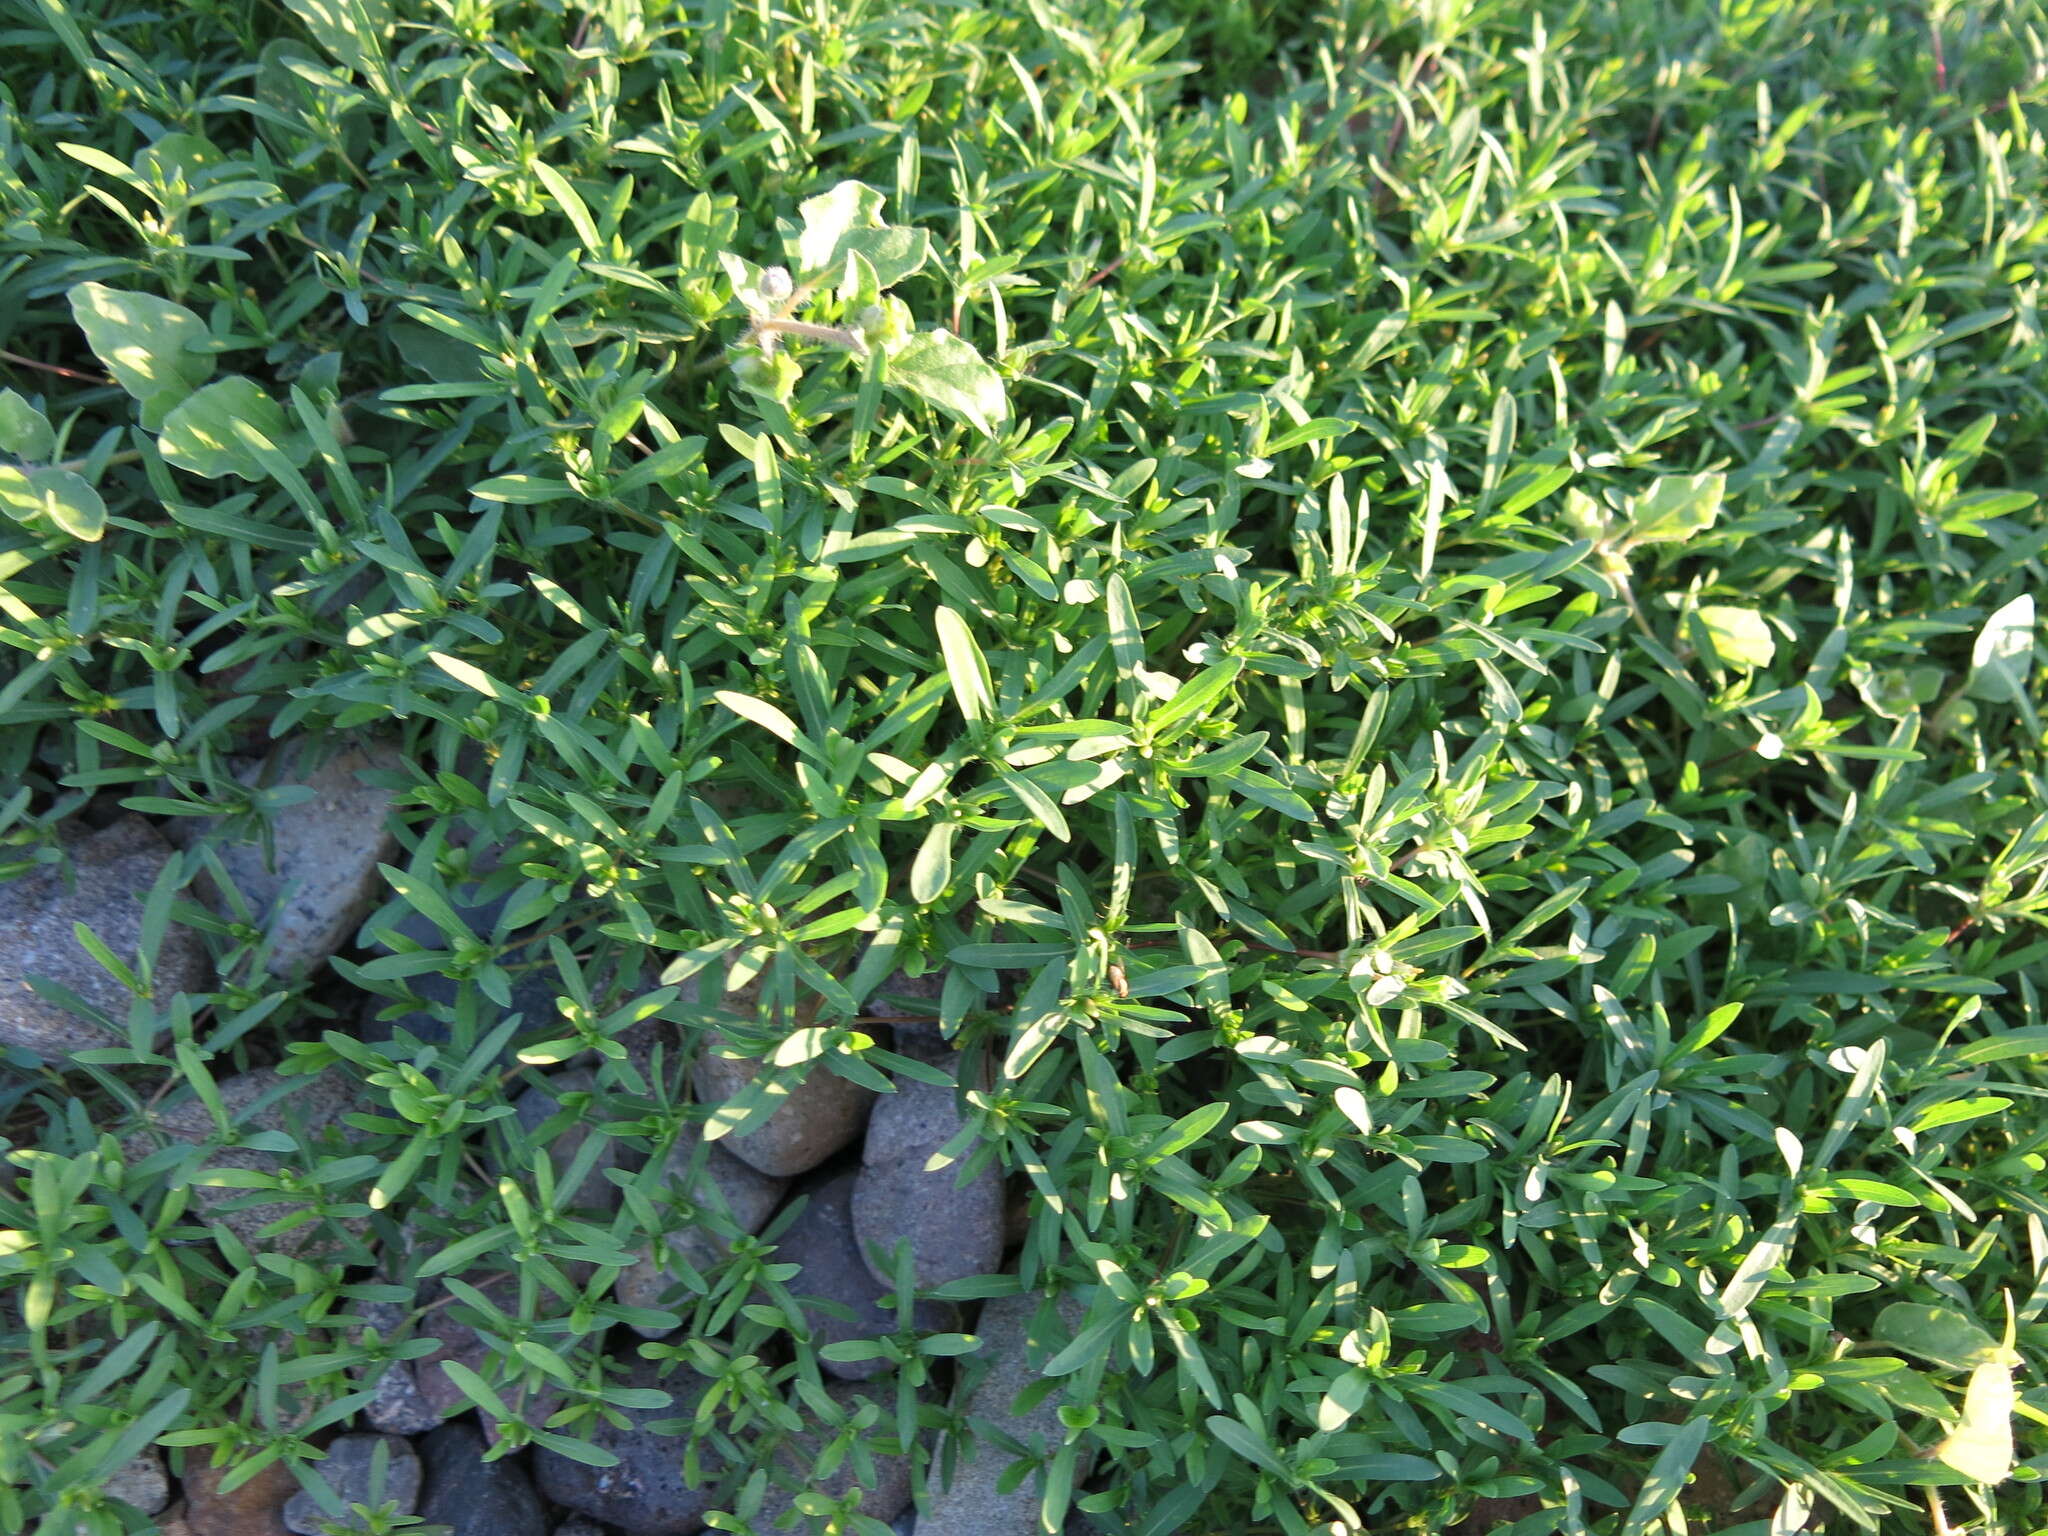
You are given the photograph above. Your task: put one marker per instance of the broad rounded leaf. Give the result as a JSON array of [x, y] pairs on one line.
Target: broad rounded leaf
[[1675, 508], [221, 430], [848, 219], [1736, 638], [56, 494], [830, 217], [24, 430], [944, 371], [1940, 1334], [148, 344]]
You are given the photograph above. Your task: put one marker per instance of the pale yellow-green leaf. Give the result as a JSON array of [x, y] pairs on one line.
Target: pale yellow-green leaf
[[227, 428], [965, 668], [945, 371], [1675, 508], [847, 220], [1737, 638], [351, 30], [1980, 1447], [2003, 655], [59, 496], [574, 209], [763, 714]]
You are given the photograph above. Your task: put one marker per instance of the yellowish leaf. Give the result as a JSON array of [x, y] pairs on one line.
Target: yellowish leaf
[[1981, 1446]]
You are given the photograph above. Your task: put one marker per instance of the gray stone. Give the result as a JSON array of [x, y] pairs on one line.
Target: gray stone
[[467, 1345], [911, 1003], [953, 1231], [576, 1525], [917, 1119], [823, 1113], [904, 1523], [103, 882], [971, 1505], [649, 1494], [472, 1496], [319, 878], [347, 1471], [732, 1191], [535, 983], [798, 1457], [818, 1115], [821, 1240], [141, 1482], [398, 1408], [313, 1104], [460, 1342]]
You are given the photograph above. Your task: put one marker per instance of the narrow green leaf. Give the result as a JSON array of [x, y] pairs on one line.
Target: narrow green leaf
[[966, 669]]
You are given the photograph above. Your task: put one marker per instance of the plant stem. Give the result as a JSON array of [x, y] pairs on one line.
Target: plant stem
[[838, 336], [68, 373]]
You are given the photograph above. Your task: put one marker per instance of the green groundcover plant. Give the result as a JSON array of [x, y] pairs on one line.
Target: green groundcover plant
[[1425, 612]]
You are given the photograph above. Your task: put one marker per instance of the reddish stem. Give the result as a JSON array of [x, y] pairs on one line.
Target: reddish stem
[[1104, 273], [68, 373]]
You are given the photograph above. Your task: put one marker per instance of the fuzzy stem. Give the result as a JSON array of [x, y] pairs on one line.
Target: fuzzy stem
[[836, 335]]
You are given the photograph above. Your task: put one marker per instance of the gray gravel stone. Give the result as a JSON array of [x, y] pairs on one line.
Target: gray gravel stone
[[398, 1408], [464, 1343], [822, 1240], [103, 882], [819, 1115], [347, 1471], [648, 1494], [460, 1342], [823, 1113], [141, 1482], [738, 1191], [312, 1105], [534, 985], [953, 1231], [888, 1498], [472, 1496], [972, 1505], [319, 879], [912, 1003]]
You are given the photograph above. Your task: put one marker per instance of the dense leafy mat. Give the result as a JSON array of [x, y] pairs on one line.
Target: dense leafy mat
[[1440, 654]]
